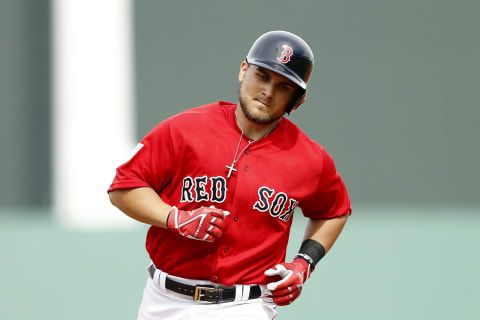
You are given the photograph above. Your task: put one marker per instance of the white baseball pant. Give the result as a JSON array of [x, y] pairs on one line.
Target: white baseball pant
[[161, 303]]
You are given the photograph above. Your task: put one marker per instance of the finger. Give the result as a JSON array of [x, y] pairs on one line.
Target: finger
[[278, 285], [214, 231], [212, 211], [206, 237], [216, 213], [224, 213], [283, 301], [282, 284], [275, 271], [290, 290], [285, 282], [217, 222]]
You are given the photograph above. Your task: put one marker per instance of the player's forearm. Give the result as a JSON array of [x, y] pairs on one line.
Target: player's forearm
[[141, 204], [325, 231]]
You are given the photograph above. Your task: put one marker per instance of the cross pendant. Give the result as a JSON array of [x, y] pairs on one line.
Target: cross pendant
[[230, 169]]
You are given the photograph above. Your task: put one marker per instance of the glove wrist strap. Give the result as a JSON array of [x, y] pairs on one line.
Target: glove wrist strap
[[171, 224], [304, 257]]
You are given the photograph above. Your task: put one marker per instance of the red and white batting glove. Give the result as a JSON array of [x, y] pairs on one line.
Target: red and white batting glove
[[204, 224], [286, 290]]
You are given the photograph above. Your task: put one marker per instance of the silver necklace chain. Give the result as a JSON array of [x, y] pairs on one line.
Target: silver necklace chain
[[231, 168]]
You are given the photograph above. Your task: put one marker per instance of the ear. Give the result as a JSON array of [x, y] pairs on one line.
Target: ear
[[243, 69]]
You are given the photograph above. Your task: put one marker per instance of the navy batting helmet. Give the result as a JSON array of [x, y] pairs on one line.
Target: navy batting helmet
[[286, 54]]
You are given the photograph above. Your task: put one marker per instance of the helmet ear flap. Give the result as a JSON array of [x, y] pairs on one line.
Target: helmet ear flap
[[297, 101]]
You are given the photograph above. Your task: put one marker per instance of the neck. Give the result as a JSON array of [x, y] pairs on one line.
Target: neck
[[252, 130]]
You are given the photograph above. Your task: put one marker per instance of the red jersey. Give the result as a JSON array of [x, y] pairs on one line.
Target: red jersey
[[185, 158]]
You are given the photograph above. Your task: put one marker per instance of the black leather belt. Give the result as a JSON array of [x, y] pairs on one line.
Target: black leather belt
[[206, 293]]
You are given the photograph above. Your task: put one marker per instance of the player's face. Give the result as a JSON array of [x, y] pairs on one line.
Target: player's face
[[263, 94]]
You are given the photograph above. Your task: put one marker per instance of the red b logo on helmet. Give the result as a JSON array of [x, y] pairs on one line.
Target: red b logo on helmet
[[286, 54]]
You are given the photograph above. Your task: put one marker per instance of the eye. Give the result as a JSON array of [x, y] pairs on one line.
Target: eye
[[286, 87], [261, 76]]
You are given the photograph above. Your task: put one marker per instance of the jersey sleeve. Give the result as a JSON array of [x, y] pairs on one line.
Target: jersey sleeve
[[152, 163], [331, 198]]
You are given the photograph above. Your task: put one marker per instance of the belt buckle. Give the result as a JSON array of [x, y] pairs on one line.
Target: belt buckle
[[200, 292]]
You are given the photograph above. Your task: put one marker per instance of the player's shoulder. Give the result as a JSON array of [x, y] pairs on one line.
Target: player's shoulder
[[195, 117], [306, 146], [300, 138]]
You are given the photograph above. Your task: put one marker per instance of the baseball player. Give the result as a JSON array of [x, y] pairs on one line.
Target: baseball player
[[219, 184]]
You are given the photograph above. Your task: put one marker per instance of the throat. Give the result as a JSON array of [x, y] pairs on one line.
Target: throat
[[256, 132], [255, 127]]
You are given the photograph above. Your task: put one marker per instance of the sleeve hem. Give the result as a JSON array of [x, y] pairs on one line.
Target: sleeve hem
[[128, 185]]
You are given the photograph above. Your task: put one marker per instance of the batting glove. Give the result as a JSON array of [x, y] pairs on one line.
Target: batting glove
[[204, 224], [286, 290]]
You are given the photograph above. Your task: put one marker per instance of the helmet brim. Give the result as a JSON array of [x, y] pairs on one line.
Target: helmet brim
[[280, 69]]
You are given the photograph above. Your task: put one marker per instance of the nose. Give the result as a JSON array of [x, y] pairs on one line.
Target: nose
[[268, 90]]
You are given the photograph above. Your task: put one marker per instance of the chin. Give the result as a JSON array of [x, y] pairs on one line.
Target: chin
[[255, 111], [260, 117]]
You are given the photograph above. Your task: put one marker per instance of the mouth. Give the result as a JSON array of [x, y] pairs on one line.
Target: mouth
[[264, 104]]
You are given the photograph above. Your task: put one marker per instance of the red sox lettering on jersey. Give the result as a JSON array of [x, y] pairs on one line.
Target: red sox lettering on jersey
[[196, 190], [275, 204]]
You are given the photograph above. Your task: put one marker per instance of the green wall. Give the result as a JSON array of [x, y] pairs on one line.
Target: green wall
[[394, 94], [24, 103]]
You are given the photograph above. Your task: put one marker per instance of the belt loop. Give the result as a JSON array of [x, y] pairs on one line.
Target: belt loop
[[158, 277], [161, 281], [238, 292], [246, 292]]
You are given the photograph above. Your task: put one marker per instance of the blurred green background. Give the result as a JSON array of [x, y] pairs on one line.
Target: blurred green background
[[394, 98]]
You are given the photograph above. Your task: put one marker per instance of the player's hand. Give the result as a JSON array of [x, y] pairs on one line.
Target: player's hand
[[205, 224], [286, 290]]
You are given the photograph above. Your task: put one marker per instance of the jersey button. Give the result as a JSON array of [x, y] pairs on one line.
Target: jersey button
[[225, 250], [235, 218], [215, 278], [247, 152], [245, 168]]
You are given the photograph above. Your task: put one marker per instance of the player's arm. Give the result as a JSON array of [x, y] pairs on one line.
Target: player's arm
[[144, 205], [325, 231], [320, 235]]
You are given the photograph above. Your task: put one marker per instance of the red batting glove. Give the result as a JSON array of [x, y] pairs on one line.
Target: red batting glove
[[294, 275], [204, 224]]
